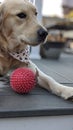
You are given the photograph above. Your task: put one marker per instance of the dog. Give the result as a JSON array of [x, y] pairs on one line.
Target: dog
[[19, 28]]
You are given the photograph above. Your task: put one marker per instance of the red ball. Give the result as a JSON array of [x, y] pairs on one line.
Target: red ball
[[22, 80]]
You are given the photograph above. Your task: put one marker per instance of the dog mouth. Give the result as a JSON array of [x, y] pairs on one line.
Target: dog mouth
[[24, 42], [32, 43], [35, 42], [41, 40]]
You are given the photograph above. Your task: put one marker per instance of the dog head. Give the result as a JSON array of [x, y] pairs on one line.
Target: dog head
[[19, 25]]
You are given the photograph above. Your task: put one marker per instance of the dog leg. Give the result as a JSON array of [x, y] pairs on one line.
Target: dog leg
[[50, 84]]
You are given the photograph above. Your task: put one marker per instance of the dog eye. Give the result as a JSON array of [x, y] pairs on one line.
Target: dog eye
[[22, 15], [36, 13]]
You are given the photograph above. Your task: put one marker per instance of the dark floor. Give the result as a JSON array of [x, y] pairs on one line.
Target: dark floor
[[40, 102]]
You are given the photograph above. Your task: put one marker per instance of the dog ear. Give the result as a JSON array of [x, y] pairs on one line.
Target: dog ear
[[1, 15]]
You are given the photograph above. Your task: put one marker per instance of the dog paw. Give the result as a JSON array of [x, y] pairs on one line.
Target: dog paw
[[68, 93]]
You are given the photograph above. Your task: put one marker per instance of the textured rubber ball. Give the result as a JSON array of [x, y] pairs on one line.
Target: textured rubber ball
[[22, 80]]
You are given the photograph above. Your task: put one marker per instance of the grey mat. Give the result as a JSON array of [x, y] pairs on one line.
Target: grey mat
[[39, 102]]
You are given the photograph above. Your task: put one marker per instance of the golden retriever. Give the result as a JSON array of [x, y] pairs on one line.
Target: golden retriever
[[19, 28]]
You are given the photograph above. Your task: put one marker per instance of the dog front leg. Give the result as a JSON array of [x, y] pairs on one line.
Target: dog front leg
[[50, 84]]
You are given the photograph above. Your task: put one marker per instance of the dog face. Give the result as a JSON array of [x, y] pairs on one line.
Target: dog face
[[19, 24]]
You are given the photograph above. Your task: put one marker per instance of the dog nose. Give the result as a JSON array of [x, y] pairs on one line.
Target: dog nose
[[42, 33]]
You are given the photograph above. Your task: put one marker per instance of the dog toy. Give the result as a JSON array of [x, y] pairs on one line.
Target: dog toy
[[22, 80]]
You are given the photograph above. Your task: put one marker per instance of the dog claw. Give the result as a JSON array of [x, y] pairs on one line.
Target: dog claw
[[70, 98]]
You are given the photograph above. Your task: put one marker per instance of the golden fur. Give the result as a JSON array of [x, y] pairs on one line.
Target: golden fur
[[16, 33]]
